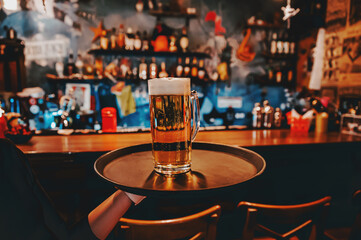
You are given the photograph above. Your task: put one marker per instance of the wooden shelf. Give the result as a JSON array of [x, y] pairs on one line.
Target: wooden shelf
[[131, 53], [172, 14], [75, 79]]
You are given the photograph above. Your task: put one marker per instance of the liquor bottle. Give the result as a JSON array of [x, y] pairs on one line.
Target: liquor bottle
[[273, 45], [163, 73], [179, 69], [153, 69], [172, 44], [143, 71], [137, 41], [292, 45], [129, 39], [59, 67], [145, 42], [194, 70], [113, 39], [257, 116], [279, 74], [104, 41], [277, 121], [121, 37], [186, 68], [70, 68], [183, 40], [201, 70], [270, 73], [268, 113], [79, 64]]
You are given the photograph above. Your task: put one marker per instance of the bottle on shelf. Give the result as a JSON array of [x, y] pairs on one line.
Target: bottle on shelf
[[145, 42], [270, 73], [137, 42], [257, 116], [153, 69], [278, 75], [59, 67], [79, 64], [129, 39], [277, 121], [194, 70], [70, 67], [183, 40], [268, 114], [280, 44], [121, 37], [186, 68], [104, 40], [172, 44], [113, 39], [163, 73], [143, 71], [286, 43], [273, 44], [179, 68], [201, 70]]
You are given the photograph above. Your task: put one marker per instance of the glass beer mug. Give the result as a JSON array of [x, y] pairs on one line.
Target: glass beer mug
[[172, 105]]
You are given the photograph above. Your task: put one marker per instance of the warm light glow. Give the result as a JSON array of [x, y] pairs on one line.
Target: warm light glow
[[11, 5]]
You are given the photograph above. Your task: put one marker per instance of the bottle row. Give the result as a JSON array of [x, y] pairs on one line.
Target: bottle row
[[280, 74], [280, 43], [121, 40], [266, 116], [124, 68]]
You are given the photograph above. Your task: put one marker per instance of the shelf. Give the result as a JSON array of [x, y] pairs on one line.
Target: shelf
[[172, 14], [75, 79], [130, 53], [279, 57]]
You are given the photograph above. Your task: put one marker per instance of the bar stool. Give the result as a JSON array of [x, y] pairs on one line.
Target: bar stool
[[301, 221], [353, 232], [202, 225]]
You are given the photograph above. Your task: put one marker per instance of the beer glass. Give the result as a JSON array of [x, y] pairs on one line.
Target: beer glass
[[172, 105]]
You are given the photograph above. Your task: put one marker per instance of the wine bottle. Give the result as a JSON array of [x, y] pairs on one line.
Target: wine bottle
[[194, 70], [153, 69], [163, 73], [186, 68], [179, 69], [143, 71], [183, 40]]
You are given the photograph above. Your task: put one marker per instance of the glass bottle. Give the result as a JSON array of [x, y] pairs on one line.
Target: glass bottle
[[70, 68], [104, 41], [257, 116], [268, 114], [163, 73], [121, 37], [129, 39], [273, 45], [187, 68], [143, 71], [183, 40], [79, 64], [172, 44], [194, 70], [113, 39], [145, 42], [137, 41], [153, 69], [201, 70], [277, 118], [179, 69]]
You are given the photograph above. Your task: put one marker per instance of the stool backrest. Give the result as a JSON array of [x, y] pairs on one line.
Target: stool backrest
[[202, 225], [284, 221]]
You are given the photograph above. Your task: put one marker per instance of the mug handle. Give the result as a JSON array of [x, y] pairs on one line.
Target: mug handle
[[196, 115]]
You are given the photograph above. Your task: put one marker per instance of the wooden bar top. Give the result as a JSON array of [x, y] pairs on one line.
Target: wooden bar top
[[243, 138]]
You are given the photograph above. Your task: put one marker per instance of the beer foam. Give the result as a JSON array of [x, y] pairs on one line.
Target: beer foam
[[169, 86]]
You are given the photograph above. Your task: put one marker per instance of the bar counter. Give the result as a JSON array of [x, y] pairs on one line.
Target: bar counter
[[243, 138]]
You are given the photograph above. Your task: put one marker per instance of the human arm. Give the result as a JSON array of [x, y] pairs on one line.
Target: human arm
[[104, 217]]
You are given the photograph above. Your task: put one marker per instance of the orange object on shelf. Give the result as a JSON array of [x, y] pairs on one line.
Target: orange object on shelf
[[109, 119], [161, 44]]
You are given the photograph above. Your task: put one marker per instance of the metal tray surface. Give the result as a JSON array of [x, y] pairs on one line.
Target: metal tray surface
[[215, 167]]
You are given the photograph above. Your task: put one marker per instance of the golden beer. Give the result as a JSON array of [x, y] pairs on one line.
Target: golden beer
[[171, 125]]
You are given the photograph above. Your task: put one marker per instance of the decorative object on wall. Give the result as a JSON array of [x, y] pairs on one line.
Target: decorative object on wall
[[212, 16], [245, 52], [289, 12], [98, 31]]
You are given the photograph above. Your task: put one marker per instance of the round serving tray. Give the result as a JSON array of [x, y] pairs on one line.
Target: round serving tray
[[215, 167]]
